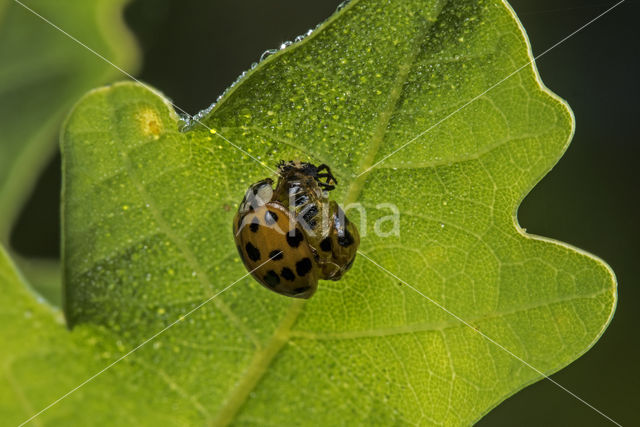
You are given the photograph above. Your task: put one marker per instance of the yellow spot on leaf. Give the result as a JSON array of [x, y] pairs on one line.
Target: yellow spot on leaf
[[149, 121]]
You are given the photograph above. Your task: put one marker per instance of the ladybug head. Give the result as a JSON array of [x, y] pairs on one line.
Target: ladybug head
[[322, 174]]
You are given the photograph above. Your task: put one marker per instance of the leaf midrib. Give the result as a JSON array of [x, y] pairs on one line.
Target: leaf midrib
[[259, 364], [355, 188]]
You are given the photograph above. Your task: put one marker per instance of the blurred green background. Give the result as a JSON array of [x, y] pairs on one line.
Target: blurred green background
[[193, 50]]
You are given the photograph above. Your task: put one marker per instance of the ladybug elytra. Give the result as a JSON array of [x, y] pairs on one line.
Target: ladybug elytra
[[292, 235]]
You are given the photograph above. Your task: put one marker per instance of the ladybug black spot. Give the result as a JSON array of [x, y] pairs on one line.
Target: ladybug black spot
[[288, 274], [270, 218], [255, 224], [252, 251], [295, 239], [325, 245], [346, 239], [276, 255], [271, 278], [301, 289], [303, 266]]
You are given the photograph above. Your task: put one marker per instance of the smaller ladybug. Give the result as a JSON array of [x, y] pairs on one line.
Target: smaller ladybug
[[292, 235]]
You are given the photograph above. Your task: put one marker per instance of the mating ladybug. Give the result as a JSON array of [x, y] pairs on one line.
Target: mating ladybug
[[293, 235]]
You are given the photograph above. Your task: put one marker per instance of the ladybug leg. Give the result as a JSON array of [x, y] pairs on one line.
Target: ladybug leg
[[326, 186], [328, 175]]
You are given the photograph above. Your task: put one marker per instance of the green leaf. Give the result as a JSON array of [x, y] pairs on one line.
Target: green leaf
[[148, 210], [42, 360], [43, 72]]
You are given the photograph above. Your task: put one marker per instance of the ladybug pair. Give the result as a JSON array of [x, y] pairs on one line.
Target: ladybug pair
[[293, 235]]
